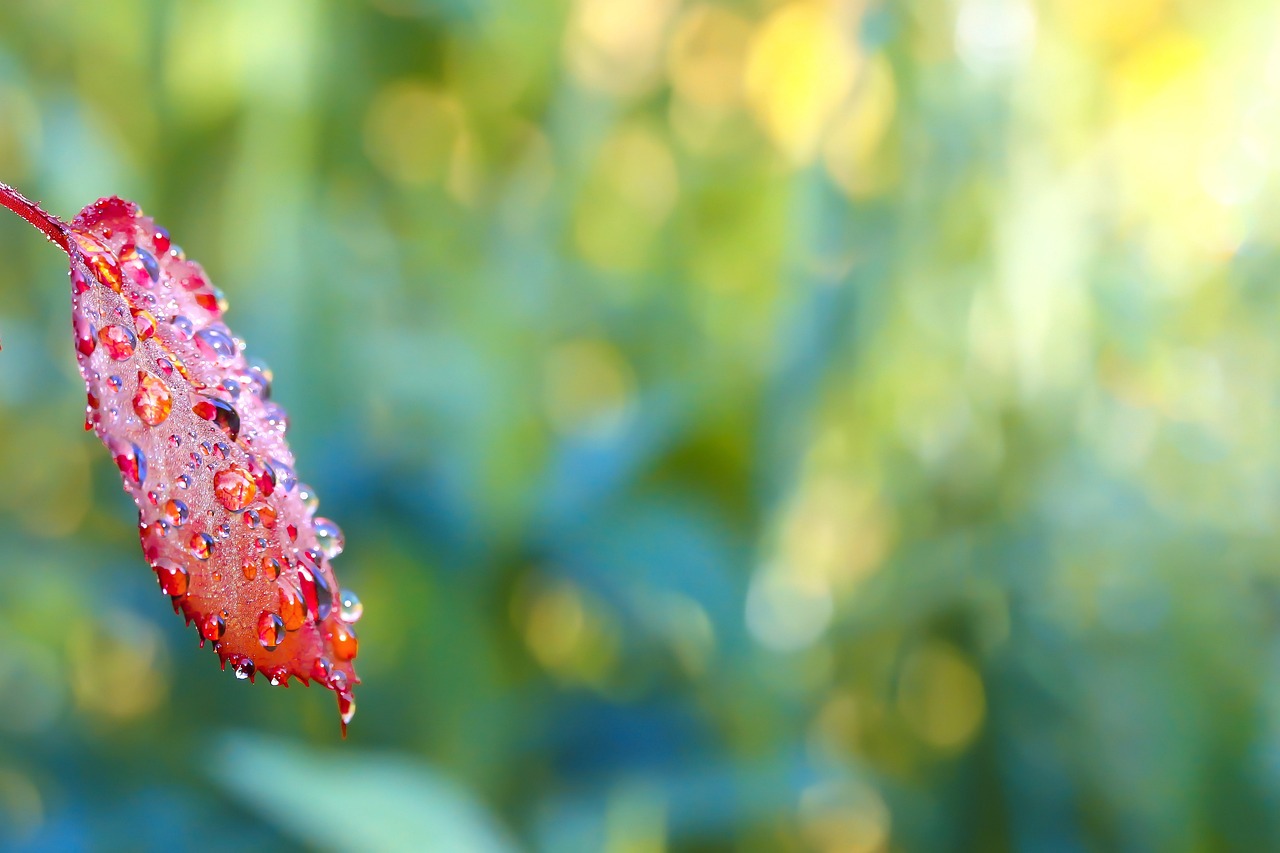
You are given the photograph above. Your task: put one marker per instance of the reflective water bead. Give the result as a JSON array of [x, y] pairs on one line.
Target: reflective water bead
[[271, 567], [234, 488], [349, 606], [118, 341], [310, 499], [86, 336], [244, 669], [152, 400], [251, 518], [183, 481], [182, 327], [232, 387], [221, 413], [293, 610], [175, 512], [114, 382], [270, 630], [160, 239], [342, 639], [329, 537], [216, 344], [131, 461], [145, 324], [213, 627], [249, 568], [264, 476], [200, 545]]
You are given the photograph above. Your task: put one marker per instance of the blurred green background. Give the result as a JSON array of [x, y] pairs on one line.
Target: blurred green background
[[779, 425]]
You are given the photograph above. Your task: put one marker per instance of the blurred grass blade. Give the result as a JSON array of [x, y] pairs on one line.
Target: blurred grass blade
[[342, 800]]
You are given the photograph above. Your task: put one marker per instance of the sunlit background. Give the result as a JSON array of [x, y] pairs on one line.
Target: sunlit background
[[775, 425]]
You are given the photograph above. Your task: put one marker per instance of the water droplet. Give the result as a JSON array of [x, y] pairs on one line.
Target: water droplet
[[118, 341], [349, 606], [175, 512], [131, 461], [152, 400], [250, 569], [208, 301], [329, 537], [114, 382], [292, 530], [213, 627], [268, 516], [293, 609], [270, 630], [342, 639], [182, 327], [174, 579], [221, 413], [149, 262], [346, 709], [264, 476], [276, 417], [234, 488], [183, 481], [216, 344], [200, 545], [271, 567], [244, 669], [78, 282], [251, 518], [315, 589], [232, 387], [165, 365], [321, 670], [86, 336], [259, 378], [144, 322], [309, 498]]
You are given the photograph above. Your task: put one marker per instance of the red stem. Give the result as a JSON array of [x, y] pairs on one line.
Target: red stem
[[51, 226]]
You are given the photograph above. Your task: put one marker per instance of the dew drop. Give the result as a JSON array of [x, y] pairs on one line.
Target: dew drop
[[234, 488], [200, 545], [182, 327], [270, 630], [131, 461], [213, 627], [221, 413], [175, 512], [244, 669], [183, 481], [310, 500], [216, 344], [152, 401], [329, 537], [250, 569], [349, 606], [118, 342]]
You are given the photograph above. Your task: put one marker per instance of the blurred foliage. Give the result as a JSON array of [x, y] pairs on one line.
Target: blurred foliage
[[779, 425]]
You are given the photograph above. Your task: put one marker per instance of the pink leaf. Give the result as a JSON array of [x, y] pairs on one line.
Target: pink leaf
[[229, 531]]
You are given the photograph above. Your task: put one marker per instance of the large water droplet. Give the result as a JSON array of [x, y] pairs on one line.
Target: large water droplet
[[152, 401], [270, 630], [329, 537], [175, 512], [234, 488], [293, 610], [349, 606], [216, 344], [221, 413], [200, 545], [213, 627], [118, 342]]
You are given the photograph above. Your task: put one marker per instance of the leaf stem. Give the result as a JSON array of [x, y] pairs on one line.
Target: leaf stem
[[51, 226]]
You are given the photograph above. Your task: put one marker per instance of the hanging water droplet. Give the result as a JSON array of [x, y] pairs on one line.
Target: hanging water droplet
[[349, 606], [216, 344], [329, 537], [310, 500], [244, 669]]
